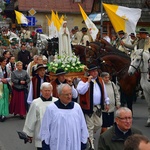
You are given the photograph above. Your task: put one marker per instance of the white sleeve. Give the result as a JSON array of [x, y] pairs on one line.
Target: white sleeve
[[84, 130], [106, 98], [30, 121], [30, 94], [45, 126], [74, 92], [82, 87]]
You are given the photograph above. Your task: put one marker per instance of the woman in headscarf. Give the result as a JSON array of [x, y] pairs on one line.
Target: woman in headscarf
[[64, 40]]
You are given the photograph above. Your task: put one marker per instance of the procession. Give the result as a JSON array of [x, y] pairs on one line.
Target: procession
[[76, 87]]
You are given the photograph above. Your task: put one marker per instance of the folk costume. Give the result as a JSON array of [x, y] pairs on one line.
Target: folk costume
[[11, 66], [85, 38], [123, 37], [18, 104], [92, 97], [34, 118], [63, 127], [35, 84], [4, 93], [113, 94], [56, 82], [64, 41]]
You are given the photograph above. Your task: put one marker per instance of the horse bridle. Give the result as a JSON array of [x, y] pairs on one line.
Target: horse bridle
[[141, 61]]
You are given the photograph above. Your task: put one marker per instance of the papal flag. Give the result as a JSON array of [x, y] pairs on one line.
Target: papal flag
[[21, 19], [90, 25], [123, 18]]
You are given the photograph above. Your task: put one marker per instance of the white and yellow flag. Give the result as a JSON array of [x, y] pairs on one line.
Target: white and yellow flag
[[21, 19], [123, 18], [90, 25], [55, 25]]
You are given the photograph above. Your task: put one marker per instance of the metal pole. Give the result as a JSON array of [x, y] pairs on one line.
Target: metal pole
[[101, 22]]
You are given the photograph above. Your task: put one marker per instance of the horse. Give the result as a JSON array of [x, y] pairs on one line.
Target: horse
[[139, 61], [41, 41], [85, 53], [117, 63], [53, 46]]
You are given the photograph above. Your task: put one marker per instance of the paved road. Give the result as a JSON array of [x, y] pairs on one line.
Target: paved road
[[10, 140]]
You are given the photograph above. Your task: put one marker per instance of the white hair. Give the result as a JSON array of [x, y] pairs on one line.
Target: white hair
[[60, 88], [118, 111], [46, 84]]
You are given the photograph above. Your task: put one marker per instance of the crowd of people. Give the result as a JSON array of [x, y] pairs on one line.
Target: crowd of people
[[65, 113]]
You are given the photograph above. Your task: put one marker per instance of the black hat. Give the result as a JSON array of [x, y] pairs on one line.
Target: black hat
[[84, 29], [40, 66], [121, 32], [76, 28], [104, 31], [92, 67], [132, 34], [60, 71], [143, 30]]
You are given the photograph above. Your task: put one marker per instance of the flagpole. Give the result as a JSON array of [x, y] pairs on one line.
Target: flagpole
[[101, 22]]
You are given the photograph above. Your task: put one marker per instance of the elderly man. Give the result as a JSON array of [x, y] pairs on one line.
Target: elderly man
[[61, 79], [63, 125], [113, 138], [36, 112], [93, 98], [140, 142], [35, 83]]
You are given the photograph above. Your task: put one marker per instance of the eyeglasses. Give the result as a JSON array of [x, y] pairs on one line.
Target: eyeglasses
[[125, 119]]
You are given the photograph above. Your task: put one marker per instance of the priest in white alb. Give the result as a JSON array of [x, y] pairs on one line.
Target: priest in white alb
[[63, 125]]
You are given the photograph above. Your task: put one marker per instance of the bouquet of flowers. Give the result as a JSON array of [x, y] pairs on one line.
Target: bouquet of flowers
[[68, 63]]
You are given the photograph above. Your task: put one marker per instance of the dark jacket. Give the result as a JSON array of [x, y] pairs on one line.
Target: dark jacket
[[24, 57], [113, 138]]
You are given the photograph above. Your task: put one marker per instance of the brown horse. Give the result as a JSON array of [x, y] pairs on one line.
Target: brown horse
[[117, 63], [85, 53]]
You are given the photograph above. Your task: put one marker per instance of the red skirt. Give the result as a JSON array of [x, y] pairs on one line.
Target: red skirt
[[17, 103]]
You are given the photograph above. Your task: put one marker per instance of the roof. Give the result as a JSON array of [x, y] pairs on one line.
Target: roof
[[64, 6]]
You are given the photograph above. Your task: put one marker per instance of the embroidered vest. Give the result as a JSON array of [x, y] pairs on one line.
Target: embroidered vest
[[86, 100]]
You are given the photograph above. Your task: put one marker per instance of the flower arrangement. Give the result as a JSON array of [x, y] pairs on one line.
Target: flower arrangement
[[68, 63]]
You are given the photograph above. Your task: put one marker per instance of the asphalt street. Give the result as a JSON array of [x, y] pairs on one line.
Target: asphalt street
[[11, 141]]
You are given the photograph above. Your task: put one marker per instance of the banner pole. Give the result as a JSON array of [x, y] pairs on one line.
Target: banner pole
[[101, 21]]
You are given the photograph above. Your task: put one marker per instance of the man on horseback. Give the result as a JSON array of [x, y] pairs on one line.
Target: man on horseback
[[85, 38], [142, 43], [77, 36], [122, 37]]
